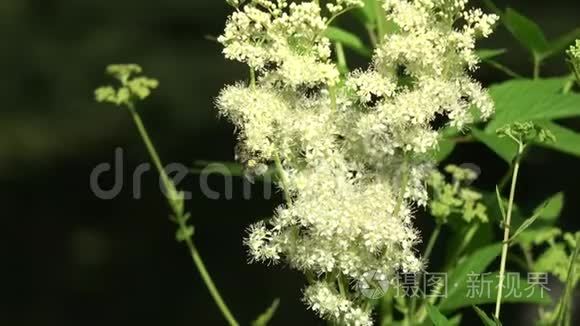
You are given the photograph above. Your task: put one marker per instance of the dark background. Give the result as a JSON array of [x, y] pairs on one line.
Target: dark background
[[69, 258]]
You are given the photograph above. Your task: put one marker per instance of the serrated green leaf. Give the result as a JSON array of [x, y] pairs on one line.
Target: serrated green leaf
[[538, 236], [566, 140], [561, 43], [477, 262], [525, 31], [526, 224], [504, 147], [553, 260], [484, 318], [265, 317], [551, 208], [436, 316], [531, 100], [482, 289], [485, 54], [348, 39]]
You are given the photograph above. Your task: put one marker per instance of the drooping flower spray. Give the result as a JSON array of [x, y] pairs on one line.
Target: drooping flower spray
[[353, 150]]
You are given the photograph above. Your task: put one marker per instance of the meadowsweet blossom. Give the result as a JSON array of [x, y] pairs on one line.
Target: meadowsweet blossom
[[355, 150]]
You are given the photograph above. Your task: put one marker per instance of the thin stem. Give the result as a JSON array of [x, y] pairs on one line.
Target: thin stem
[[170, 187], [341, 286], [387, 308], [426, 255], [504, 180], [537, 62], [371, 33], [332, 93], [150, 147], [506, 232], [283, 179], [503, 69], [565, 303], [403, 185], [252, 78], [199, 264], [380, 22], [432, 240], [341, 58]]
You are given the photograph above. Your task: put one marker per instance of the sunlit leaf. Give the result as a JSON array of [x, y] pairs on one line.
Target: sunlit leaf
[[530, 100]]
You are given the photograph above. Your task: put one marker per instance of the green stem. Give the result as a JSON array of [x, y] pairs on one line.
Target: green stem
[[387, 308], [506, 232], [403, 185], [150, 147], [564, 306], [430, 245], [432, 240], [380, 22], [283, 179], [504, 180], [341, 285], [503, 69], [537, 62], [199, 264], [252, 78], [170, 187], [341, 58], [332, 93]]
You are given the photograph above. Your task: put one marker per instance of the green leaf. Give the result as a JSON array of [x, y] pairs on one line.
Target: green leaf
[[566, 140], [551, 208], [482, 289], [436, 316], [233, 168], [560, 44], [368, 12], [571, 281], [184, 233], [445, 149], [504, 147], [265, 317], [538, 236], [526, 31], [530, 100], [348, 39], [526, 224], [553, 260], [485, 54], [500, 203], [484, 318], [477, 262]]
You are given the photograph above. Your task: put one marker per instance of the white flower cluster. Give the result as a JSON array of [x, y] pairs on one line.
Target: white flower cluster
[[355, 150], [329, 304]]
